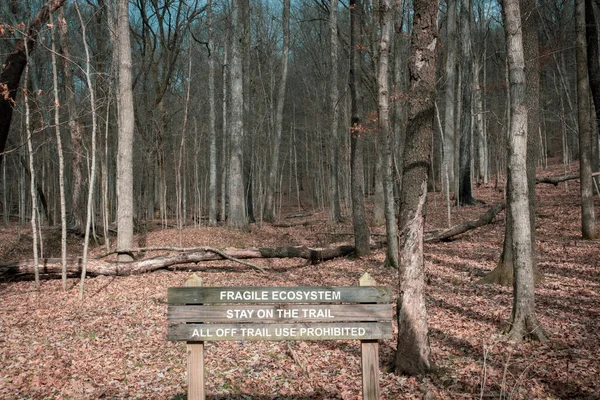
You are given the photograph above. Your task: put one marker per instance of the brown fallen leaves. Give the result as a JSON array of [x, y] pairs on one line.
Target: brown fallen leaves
[[113, 345]]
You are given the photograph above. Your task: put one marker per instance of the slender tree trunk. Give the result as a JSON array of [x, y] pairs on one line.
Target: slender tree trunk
[[386, 133], [237, 207], [588, 223], [224, 134], [61, 164], [524, 322], [92, 179], [335, 213], [212, 186], [32, 175], [450, 91], [361, 229], [413, 353], [466, 70], [269, 215]]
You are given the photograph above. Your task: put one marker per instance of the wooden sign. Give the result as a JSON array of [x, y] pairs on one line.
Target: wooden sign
[[197, 314]]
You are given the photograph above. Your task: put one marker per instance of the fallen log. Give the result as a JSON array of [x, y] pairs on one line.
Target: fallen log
[[485, 219], [555, 180], [52, 267]]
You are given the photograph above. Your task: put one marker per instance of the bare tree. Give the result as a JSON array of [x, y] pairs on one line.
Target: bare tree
[[361, 229], [524, 322], [212, 186], [413, 352], [236, 215], [13, 67], [465, 195], [385, 133], [334, 94], [272, 182], [588, 221], [126, 127], [450, 90]]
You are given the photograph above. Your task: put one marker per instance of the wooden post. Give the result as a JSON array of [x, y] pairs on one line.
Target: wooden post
[[370, 356], [195, 362]]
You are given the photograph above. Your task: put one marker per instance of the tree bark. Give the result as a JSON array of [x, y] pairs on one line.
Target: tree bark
[[212, 186], [450, 90], [13, 67], [236, 215], [272, 183], [524, 322], [413, 355], [361, 229], [465, 196], [335, 213], [126, 127], [51, 267], [385, 134], [588, 223], [593, 55], [75, 128]]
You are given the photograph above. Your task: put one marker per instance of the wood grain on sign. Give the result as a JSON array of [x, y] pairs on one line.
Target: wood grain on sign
[[270, 294], [312, 331], [281, 313], [195, 357]]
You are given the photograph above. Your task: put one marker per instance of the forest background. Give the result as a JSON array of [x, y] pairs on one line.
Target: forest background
[[247, 114]]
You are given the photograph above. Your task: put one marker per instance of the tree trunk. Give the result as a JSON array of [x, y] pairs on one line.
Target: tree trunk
[[524, 322], [51, 267], [236, 215], [335, 213], [413, 352], [272, 183], [61, 163], [466, 69], [588, 224], [75, 128], [361, 229], [593, 59], [126, 127], [385, 134], [212, 185], [450, 90]]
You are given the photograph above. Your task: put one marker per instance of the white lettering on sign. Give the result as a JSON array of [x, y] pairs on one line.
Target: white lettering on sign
[[239, 314], [283, 295], [284, 313], [325, 313], [267, 332]]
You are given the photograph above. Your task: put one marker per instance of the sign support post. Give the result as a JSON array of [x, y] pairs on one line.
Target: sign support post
[[195, 353], [369, 356]]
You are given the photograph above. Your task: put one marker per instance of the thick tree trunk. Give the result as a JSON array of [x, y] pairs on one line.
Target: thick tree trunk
[[524, 322], [465, 196], [75, 128], [272, 183], [13, 67], [51, 267], [236, 212], [593, 55], [588, 223], [335, 212], [359, 219], [126, 127], [413, 352], [212, 185], [450, 90]]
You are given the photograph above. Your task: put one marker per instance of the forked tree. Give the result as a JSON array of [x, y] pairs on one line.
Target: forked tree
[[413, 352]]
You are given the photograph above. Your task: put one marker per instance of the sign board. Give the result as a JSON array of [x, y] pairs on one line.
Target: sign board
[[198, 314]]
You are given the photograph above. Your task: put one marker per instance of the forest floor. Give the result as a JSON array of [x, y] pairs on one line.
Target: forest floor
[[113, 344]]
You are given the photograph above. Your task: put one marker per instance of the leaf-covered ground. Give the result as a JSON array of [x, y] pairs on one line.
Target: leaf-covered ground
[[113, 345]]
